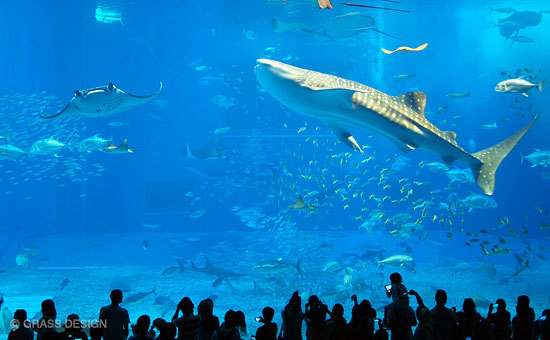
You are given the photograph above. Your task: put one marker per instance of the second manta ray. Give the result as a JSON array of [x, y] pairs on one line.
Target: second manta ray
[[102, 101], [340, 103]]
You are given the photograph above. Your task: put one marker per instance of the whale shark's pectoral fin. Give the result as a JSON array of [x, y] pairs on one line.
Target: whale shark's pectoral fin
[[344, 136]]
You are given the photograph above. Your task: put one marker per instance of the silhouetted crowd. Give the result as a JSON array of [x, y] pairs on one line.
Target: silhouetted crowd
[[322, 323]]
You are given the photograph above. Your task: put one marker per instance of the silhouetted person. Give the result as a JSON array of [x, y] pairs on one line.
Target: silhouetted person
[[241, 323], [466, 319], [522, 323], [115, 319], [209, 323], [315, 317], [46, 324], [269, 330], [337, 323], [396, 291], [361, 325], [401, 319], [500, 321], [293, 318], [228, 329], [141, 329], [188, 324], [73, 329], [425, 328], [167, 330], [443, 318], [542, 326], [22, 332]]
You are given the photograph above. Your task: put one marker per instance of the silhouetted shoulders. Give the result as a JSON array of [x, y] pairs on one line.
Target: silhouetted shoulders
[[117, 320], [188, 327], [22, 333]]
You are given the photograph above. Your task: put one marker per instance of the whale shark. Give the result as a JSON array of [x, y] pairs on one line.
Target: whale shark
[[101, 101], [341, 103]]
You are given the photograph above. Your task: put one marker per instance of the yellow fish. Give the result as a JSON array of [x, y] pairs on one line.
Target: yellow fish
[[405, 49]]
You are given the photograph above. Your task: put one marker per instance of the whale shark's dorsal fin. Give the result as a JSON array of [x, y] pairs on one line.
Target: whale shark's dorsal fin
[[414, 99]]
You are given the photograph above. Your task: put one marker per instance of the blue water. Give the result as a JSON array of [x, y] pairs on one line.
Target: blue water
[[89, 209]]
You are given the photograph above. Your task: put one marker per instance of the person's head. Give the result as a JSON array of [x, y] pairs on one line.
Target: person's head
[[158, 323], [20, 316], [73, 323], [48, 308], [546, 312], [205, 308], [268, 313], [230, 319], [240, 321], [313, 300], [522, 307], [523, 300], [338, 310], [142, 325], [295, 303], [116, 296], [186, 306], [167, 330], [440, 297], [396, 278], [367, 309], [469, 307], [501, 305]]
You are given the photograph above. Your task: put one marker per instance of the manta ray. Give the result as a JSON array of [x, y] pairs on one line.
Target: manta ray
[[405, 49], [101, 101], [115, 150], [300, 204], [341, 103]]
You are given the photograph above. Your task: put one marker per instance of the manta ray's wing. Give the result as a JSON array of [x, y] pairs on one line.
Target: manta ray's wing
[[67, 107], [131, 100]]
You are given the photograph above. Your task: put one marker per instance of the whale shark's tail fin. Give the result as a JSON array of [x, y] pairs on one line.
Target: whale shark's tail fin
[[491, 158]]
